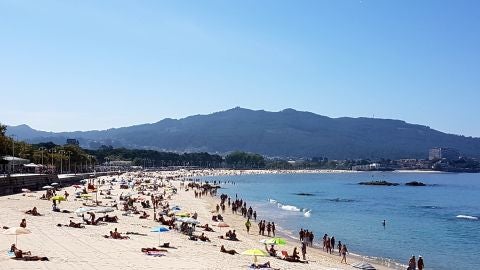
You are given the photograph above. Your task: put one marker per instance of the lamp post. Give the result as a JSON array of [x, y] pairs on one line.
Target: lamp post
[[61, 152], [69, 153], [42, 149], [52, 151], [13, 153]]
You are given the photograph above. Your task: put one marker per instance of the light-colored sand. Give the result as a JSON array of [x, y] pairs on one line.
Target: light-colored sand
[[70, 248]]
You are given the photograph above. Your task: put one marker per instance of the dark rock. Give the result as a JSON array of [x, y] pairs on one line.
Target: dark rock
[[415, 184], [304, 194], [378, 183]]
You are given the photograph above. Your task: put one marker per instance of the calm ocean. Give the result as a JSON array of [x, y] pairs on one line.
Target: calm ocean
[[439, 221]]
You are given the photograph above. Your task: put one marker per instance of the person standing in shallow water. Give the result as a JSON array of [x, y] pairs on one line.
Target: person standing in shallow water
[[420, 263], [412, 263], [273, 229]]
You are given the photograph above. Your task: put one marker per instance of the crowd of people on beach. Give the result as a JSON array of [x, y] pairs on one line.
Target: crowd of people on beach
[[162, 213]]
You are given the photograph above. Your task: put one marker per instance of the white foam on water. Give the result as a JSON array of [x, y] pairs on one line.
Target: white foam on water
[[289, 207], [272, 201], [467, 217], [307, 214]]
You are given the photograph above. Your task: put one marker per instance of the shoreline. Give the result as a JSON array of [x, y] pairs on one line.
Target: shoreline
[[316, 249]]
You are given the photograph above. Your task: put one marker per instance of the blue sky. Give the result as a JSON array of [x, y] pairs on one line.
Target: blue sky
[[80, 65]]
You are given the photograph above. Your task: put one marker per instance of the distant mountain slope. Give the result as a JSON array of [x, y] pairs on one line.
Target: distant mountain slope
[[287, 133]]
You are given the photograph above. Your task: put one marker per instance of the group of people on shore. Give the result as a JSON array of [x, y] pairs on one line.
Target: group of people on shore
[[413, 264]]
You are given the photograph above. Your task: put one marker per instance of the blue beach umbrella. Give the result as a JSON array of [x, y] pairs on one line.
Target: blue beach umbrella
[[159, 229]]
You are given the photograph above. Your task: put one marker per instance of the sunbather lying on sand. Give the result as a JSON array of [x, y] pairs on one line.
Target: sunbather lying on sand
[[19, 256], [33, 212], [263, 266], [144, 215], [153, 249], [206, 228], [231, 251], [136, 233]]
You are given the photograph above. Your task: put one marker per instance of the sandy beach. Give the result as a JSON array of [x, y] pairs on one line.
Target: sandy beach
[[73, 248]]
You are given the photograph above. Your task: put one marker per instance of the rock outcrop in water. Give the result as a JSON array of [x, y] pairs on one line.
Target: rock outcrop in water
[[415, 184], [378, 183], [304, 194]]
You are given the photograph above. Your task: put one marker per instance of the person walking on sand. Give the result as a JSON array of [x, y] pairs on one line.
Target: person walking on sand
[[339, 248], [304, 250], [273, 229], [344, 253], [248, 225], [332, 244], [269, 228], [420, 263]]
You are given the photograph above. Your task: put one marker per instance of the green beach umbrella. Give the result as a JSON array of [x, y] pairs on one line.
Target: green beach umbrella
[[276, 241]]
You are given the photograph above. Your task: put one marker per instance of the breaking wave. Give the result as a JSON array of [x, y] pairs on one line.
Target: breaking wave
[[306, 212], [467, 217]]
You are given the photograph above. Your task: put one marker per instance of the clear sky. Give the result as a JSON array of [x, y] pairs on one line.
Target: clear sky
[[80, 65]]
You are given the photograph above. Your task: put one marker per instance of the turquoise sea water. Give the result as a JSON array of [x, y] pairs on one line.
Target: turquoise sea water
[[439, 221]]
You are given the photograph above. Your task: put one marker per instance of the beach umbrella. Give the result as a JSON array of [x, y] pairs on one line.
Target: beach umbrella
[[16, 231], [188, 220], [159, 229], [255, 252], [103, 210], [58, 198], [363, 266], [276, 241], [26, 190], [83, 210], [54, 184], [86, 196], [222, 225], [47, 187], [184, 214]]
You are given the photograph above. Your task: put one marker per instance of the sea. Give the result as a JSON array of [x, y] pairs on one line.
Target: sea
[[439, 221]]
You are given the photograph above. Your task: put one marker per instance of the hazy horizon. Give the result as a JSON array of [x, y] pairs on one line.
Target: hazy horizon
[[69, 66]]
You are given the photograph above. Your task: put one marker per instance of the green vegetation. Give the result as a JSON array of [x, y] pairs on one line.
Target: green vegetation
[[151, 158], [68, 157], [244, 160]]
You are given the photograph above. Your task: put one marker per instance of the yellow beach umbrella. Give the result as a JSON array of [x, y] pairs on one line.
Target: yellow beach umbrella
[[86, 196], [58, 198], [184, 214], [255, 252]]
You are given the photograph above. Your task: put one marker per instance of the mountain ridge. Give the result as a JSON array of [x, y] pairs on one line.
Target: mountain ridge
[[287, 133]]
